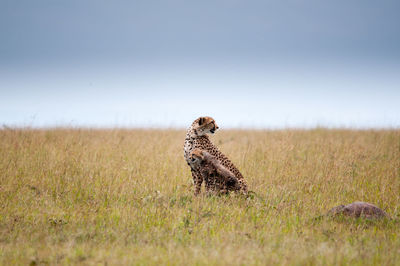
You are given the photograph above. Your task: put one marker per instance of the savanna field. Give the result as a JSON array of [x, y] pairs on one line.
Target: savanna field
[[117, 197]]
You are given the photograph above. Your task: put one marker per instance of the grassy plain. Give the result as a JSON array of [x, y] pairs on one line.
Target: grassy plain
[[81, 196]]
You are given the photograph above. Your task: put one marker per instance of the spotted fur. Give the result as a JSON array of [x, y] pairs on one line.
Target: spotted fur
[[196, 137], [218, 179]]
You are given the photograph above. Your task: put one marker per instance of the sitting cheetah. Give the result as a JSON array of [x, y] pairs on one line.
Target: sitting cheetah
[[217, 178], [196, 137]]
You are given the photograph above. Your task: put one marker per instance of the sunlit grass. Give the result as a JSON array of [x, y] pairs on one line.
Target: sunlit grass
[[125, 197]]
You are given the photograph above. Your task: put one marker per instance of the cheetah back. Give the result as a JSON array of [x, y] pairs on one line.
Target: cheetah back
[[204, 143]]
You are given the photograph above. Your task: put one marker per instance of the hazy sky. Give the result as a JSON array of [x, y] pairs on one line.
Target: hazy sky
[[164, 63]]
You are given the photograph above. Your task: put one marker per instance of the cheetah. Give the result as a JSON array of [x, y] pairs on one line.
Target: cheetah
[[218, 179], [196, 137]]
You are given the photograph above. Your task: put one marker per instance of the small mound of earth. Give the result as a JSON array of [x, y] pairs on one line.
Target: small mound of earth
[[358, 209]]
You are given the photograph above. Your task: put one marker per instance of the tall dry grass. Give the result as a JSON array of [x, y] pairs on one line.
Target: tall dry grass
[[72, 196]]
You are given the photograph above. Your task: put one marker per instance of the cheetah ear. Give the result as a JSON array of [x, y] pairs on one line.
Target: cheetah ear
[[202, 156], [201, 121]]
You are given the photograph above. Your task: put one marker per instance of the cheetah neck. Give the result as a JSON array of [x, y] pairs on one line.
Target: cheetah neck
[[190, 140], [191, 134]]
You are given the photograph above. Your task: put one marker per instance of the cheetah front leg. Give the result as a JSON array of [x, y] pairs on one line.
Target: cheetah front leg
[[243, 186], [198, 180], [212, 187]]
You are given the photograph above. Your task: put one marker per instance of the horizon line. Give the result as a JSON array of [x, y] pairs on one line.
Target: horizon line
[[5, 127]]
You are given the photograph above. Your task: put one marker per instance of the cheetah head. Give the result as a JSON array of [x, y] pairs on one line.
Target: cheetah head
[[204, 125], [196, 157]]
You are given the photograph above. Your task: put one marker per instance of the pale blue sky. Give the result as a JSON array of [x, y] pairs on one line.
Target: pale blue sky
[[265, 64]]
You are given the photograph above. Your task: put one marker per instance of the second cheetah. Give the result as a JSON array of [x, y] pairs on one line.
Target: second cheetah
[[218, 179]]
